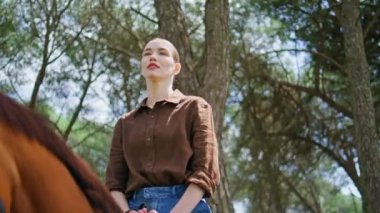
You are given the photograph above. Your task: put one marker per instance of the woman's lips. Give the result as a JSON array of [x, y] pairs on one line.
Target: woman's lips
[[152, 66]]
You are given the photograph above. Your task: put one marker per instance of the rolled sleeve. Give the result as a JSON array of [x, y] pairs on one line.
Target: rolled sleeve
[[117, 170], [204, 166]]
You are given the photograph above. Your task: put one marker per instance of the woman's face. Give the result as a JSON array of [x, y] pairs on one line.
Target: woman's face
[[157, 62]]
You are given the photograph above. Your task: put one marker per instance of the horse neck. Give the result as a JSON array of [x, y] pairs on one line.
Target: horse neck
[[39, 181]]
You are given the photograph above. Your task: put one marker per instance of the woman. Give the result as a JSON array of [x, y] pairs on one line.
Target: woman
[[164, 153]]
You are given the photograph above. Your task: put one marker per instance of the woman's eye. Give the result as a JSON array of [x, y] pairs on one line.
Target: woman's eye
[[163, 53], [147, 53]]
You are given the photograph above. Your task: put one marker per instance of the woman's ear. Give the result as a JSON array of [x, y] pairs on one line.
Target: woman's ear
[[177, 68]]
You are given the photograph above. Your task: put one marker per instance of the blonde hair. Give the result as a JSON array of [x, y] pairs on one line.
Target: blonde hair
[[174, 52]]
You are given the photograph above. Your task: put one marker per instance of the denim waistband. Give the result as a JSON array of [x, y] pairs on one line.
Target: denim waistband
[[160, 192]]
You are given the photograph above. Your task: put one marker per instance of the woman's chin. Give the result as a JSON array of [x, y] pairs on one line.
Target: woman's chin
[[156, 77]]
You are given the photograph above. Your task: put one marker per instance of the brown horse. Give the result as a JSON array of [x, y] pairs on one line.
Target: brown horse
[[38, 173]]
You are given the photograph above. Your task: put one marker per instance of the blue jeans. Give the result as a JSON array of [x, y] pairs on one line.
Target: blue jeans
[[163, 199]]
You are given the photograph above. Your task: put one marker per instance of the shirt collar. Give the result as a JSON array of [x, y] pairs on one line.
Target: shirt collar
[[175, 97]]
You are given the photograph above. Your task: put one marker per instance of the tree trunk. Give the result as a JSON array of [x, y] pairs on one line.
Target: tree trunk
[[211, 79], [44, 64], [78, 109], [172, 26], [366, 138]]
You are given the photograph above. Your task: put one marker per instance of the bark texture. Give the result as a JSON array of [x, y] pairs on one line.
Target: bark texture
[[366, 138], [209, 77]]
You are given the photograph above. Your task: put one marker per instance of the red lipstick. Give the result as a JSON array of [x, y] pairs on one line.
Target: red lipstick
[[152, 66]]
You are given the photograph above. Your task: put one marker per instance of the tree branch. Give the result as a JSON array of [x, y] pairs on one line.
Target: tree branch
[[371, 24], [127, 29], [334, 62], [341, 162], [314, 92], [143, 15], [297, 193]]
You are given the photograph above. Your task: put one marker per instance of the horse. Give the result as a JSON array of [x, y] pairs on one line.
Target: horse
[[39, 173]]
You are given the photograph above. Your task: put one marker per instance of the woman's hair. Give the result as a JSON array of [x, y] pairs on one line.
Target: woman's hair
[[175, 54], [175, 51]]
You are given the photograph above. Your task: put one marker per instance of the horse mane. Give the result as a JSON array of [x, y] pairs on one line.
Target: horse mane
[[34, 126]]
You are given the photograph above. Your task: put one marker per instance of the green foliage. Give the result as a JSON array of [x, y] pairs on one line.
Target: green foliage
[[7, 27], [334, 201], [289, 119], [281, 123], [92, 141], [89, 139]]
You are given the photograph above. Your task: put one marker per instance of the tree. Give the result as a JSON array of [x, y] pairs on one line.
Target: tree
[[286, 129], [366, 138], [209, 77], [311, 109], [46, 22]]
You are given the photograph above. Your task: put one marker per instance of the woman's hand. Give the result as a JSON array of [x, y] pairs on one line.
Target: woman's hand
[[143, 210]]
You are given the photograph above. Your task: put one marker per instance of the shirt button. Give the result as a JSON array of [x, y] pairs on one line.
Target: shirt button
[[152, 116], [148, 139]]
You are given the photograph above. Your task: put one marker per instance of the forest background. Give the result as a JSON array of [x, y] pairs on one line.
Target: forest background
[[295, 87]]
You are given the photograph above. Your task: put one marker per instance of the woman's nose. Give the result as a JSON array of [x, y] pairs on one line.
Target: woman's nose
[[152, 58]]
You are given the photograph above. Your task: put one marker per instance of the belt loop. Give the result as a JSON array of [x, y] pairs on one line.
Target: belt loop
[[133, 195], [145, 192]]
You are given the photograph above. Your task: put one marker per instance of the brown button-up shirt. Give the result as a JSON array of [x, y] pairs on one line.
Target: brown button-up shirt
[[173, 143]]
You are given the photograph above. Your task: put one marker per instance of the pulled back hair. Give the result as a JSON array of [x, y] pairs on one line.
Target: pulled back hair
[[174, 52]]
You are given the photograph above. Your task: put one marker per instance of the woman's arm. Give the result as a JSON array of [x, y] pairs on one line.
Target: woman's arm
[[119, 198], [189, 199], [117, 169], [205, 176]]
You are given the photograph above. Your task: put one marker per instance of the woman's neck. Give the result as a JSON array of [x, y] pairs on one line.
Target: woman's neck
[[157, 91]]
